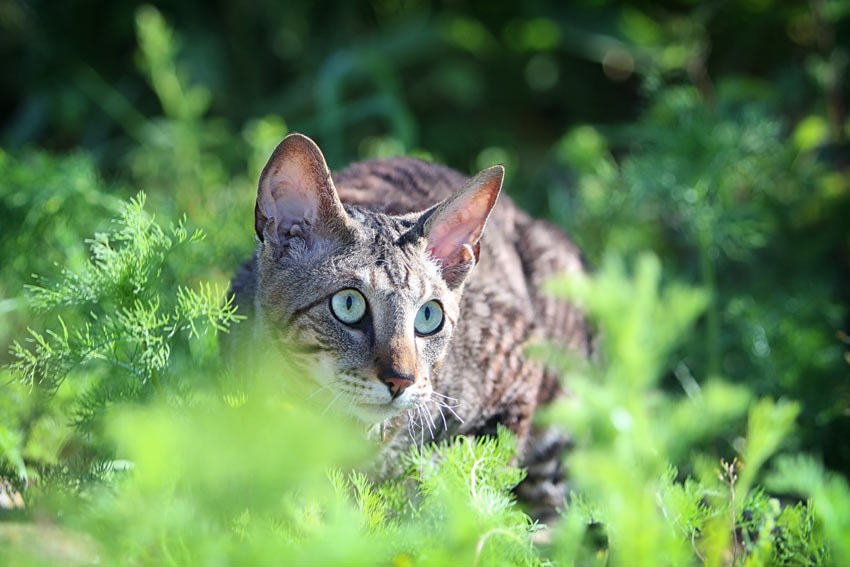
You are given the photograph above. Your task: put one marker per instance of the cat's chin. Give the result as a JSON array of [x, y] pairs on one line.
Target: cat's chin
[[376, 413]]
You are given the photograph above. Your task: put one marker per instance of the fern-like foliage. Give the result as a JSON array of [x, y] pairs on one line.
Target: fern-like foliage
[[126, 321], [124, 263], [453, 505]]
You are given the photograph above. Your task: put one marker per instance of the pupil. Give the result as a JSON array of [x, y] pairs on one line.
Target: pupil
[[427, 313], [348, 302]]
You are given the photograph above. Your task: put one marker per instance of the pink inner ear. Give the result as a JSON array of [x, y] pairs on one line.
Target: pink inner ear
[[296, 190], [461, 225], [293, 200], [446, 242]]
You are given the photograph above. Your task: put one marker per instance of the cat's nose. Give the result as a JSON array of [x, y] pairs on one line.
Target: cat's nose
[[397, 383]]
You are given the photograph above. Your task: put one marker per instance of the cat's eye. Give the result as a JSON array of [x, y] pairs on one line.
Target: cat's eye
[[348, 305], [429, 319]]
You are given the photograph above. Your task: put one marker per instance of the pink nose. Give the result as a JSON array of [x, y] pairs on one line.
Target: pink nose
[[397, 385]]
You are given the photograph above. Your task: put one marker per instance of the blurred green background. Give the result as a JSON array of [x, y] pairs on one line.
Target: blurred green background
[[714, 134]]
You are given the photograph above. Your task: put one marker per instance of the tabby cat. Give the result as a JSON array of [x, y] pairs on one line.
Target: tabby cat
[[384, 275]]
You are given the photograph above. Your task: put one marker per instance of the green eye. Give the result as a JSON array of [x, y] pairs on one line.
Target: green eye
[[348, 305], [429, 320]]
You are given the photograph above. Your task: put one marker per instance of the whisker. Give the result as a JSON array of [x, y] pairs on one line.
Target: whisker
[[416, 421], [421, 446], [332, 403], [421, 441], [325, 387], [421, 425], [350, 405], [446, 404], [451, 409], [439, 409], [435, 393], [410, 426], [429, 420]]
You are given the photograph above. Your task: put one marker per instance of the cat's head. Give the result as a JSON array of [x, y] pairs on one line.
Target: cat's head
[[373, 298]]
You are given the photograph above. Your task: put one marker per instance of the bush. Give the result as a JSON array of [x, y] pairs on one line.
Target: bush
[[186, 462]]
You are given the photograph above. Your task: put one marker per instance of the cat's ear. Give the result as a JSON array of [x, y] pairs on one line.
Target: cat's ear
[[296, 197], [453, 229]]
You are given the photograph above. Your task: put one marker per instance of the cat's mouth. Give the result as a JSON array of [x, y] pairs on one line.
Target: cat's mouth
[[368, 400]]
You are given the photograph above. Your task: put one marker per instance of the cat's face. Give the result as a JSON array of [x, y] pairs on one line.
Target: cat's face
[[376, 315], [373, 299]]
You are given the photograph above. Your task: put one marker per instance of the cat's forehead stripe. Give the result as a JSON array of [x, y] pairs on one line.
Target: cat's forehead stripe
[[424, 289]]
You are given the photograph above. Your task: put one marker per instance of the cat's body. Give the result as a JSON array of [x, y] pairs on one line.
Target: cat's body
[[495, 310]]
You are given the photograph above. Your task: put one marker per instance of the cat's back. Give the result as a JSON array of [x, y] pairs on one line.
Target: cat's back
[[396, 186]]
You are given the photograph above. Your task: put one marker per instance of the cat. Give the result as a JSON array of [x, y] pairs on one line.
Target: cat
[[418, 291]]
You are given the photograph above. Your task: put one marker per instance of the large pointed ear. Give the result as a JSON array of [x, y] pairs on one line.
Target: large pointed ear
[[296, 197], [453, 229]]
